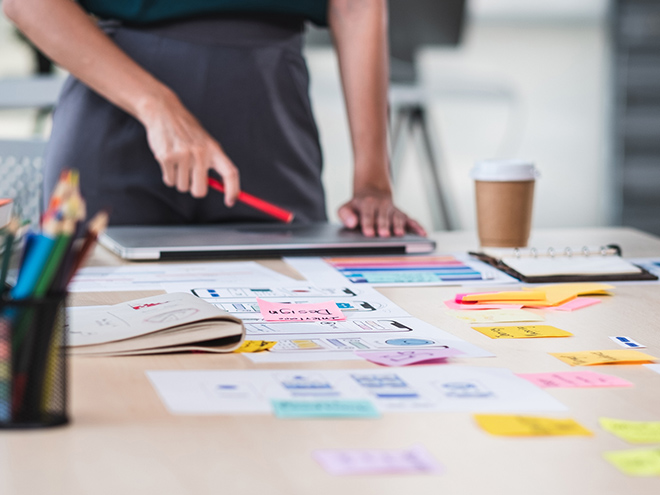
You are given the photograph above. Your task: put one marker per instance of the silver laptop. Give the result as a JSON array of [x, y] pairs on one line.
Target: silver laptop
[[251, 240]]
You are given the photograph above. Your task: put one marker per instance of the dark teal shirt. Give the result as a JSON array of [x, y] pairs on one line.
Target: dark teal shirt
[[150, 11]]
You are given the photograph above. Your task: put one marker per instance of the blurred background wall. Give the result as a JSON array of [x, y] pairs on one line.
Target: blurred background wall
[[529, 79]]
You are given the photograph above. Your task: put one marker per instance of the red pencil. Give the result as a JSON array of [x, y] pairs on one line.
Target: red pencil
[[281, 214]]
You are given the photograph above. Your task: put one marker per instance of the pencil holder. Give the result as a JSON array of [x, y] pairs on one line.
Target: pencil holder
[[33, 366]]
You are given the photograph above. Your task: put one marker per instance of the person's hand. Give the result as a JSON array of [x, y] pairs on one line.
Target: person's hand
[[185, 151], [375, 214]]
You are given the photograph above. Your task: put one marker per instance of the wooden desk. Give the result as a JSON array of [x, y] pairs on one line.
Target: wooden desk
[[123, 441]]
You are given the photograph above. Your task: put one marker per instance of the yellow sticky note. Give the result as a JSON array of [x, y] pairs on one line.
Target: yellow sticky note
[[496, 316], [256, 346], [590, 358], [638, 462], [633, 431], [519, 295], [557, 294], [522, 332], [529, 426]]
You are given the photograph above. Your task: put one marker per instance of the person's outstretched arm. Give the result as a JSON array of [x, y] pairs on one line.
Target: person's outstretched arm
[[359, 30], [184, 150]]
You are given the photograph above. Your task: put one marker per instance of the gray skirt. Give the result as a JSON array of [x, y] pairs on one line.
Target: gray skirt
[[245, 80]]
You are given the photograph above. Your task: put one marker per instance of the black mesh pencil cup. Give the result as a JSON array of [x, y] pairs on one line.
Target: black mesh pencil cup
[[33, 367]]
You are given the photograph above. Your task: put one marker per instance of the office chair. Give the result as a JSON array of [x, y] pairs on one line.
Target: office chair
[[412, 25], [39, 92], [22, 177]]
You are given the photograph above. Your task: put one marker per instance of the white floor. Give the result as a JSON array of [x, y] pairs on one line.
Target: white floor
[[524, 89]]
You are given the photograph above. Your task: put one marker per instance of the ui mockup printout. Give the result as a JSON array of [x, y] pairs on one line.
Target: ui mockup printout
[[413, 389], [401, 271], [373, 322]]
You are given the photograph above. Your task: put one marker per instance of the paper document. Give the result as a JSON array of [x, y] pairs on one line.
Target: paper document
[[175, 277], [404, 271], [164, 323], [409, 389], [338, 340]]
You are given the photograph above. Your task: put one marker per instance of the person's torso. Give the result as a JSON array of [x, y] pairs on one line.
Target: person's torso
[[153, 11]]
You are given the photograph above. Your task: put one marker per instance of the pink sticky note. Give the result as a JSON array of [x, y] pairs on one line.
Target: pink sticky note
[[323, 311], [412, 356], [459, 297], [342, 462], [577, 303], [454, 305], [575, 379]]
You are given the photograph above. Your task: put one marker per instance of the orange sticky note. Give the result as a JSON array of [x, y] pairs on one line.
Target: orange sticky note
[[277, 311], [557, 294], [529, 295], [591, 358]]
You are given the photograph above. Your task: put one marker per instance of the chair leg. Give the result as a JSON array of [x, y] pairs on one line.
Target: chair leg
[[400, 127], [437, 194]]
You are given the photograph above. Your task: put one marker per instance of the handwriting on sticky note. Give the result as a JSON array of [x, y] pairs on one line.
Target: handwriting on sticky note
[[522, 332], [323, 311], [638, 462], [591, 358], [497, 316], [342, 462], [404, 358], [338, 408], [633, 431], [575, 379], [529, 426], [255, 346]]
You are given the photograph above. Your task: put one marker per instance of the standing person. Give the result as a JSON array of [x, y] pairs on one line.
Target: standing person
[[164, 91]]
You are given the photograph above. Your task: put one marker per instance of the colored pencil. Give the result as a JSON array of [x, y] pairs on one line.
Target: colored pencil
[[270, 209], [95, 227]]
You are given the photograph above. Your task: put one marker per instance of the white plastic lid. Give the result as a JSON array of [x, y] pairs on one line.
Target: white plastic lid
[[504, 171]]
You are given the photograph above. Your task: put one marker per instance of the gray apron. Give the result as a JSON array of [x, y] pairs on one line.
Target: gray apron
[[246, 81]]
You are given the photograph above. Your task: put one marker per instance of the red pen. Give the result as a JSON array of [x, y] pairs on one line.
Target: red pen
[[281, 214]]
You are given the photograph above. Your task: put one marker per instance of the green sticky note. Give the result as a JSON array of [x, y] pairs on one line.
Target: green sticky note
[[638, 462], [324, 409], [633, 431]]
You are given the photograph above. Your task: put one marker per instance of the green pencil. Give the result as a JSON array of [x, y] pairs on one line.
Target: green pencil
[[62, 243]]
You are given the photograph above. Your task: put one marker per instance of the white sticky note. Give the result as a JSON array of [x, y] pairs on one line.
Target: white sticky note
[[628, 343]]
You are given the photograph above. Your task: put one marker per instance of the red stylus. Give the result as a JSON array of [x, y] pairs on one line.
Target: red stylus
[[281, 214]]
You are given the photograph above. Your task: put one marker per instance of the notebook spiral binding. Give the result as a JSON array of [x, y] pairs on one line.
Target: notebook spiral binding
[[608, 250]]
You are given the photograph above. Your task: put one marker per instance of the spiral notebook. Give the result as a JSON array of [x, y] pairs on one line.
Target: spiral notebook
[[549, 265]]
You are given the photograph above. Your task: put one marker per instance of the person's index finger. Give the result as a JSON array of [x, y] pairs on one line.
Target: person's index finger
[[230, 179]]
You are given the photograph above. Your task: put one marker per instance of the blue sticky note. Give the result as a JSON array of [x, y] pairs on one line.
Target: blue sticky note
[[324, 409]]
